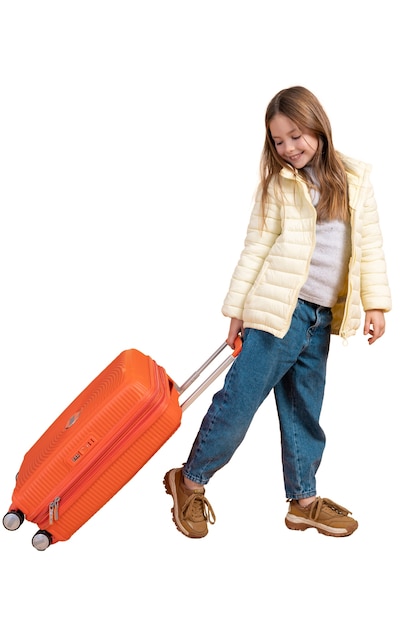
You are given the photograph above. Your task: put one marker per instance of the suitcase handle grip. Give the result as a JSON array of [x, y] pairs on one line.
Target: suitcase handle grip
[[238, 346], [226, 363]]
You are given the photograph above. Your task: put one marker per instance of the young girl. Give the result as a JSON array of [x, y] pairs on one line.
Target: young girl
[[312, 254]]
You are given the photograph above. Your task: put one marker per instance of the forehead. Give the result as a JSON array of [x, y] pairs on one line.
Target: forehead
[[281, 125]]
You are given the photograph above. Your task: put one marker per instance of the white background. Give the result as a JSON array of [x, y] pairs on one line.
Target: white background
[[130, 141]]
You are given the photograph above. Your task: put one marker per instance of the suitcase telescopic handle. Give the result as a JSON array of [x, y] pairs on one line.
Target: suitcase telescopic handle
[[207, 382]]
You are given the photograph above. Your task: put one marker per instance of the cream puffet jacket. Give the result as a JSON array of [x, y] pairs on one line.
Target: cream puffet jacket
[[275, 261]]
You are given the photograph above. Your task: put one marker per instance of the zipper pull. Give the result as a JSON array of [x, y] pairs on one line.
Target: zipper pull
[[53, 510]]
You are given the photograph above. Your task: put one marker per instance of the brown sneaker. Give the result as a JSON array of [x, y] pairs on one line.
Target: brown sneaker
[[325, 516], [191, 510]]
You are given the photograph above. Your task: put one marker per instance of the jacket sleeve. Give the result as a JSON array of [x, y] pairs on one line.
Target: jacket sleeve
[[374, 287], [260, 237]]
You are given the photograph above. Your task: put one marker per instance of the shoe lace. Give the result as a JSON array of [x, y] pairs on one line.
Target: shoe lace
[[319, 503], [197, 508]]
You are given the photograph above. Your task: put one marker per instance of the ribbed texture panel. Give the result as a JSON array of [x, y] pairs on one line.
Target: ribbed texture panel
[[116, 476], [113, 427]]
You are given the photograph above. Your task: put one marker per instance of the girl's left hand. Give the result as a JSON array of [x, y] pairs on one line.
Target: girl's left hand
[[374, 324]]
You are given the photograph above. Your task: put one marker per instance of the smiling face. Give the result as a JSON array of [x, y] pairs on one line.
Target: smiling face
[[297, 147]]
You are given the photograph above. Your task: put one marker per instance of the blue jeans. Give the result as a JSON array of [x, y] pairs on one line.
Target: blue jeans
[[295, 368]]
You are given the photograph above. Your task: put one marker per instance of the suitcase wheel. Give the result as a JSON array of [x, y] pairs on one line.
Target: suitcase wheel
[[41, 540], [13, 520]]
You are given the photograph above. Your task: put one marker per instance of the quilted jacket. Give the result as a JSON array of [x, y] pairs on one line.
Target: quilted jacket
[[274, 263]]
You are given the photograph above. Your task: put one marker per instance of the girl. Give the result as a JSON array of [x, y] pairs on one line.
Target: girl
[[312, 254]]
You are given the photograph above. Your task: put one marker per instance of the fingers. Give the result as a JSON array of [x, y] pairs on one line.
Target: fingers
[[236, 328], [374, 325], [376, 333]]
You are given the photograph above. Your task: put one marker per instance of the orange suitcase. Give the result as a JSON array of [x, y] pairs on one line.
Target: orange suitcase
[[99, 443]]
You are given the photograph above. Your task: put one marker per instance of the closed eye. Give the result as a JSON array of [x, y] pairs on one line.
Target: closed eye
[[279, 143]]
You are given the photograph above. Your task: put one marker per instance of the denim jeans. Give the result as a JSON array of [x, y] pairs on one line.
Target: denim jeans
[[295, 368]]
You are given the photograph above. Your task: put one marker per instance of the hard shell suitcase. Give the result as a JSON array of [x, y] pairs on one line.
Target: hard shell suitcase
[[101, 440]]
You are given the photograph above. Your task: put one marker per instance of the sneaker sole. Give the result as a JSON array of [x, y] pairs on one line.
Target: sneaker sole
[[296, 523], [170, 488]]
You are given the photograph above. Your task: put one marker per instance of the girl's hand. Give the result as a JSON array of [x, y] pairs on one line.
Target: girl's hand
[[374, 324], [236, 327]]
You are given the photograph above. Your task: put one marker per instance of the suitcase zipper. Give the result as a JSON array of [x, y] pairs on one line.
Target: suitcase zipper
[[53, 510], [66, 497]]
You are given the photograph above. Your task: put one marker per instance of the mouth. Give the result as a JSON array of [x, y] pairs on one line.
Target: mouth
[[295, 157]]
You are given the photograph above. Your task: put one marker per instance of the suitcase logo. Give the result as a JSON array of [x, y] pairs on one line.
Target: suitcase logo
[[72, 420]]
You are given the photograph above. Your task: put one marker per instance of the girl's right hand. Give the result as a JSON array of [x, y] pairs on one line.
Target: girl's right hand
[[236, 328]]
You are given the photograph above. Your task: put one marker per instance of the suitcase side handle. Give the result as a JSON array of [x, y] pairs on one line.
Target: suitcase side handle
[[207, 382]]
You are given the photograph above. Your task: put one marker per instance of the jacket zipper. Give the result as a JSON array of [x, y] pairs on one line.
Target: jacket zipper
[[343, 332]]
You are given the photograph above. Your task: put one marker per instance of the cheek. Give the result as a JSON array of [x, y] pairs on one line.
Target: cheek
[[314, 143], [311, 143]]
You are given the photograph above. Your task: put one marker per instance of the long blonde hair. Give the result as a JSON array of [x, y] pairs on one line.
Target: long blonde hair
[[304, 109]]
